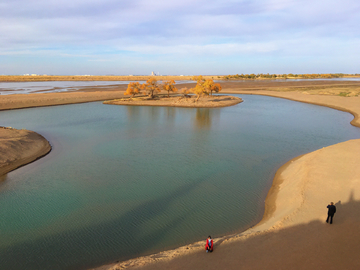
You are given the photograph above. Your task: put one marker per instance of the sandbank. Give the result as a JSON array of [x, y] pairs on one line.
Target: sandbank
[[179, 101], [19, 101], [20, 147]]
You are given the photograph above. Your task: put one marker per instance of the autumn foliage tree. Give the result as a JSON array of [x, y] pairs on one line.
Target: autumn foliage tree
[[151, 86], [200, 89], [215, 87], [169, 86], [133, 89]]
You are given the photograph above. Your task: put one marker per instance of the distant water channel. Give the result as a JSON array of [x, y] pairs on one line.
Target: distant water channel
[[10, 88], [126, 181]]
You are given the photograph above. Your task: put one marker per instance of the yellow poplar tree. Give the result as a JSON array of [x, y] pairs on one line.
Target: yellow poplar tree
[[208, 85], [200, 88], [133, 89], [151, 86], [169, 86], [214, 87]]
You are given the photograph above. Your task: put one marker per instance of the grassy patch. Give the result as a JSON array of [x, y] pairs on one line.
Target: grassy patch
[[344, 94]]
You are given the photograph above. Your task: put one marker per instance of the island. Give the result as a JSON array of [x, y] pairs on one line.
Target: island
[[200, 96]]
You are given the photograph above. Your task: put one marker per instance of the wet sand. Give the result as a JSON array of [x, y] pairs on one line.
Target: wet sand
[[293, 233]]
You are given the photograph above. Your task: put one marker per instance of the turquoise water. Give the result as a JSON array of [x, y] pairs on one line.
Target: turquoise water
[[125, 181]]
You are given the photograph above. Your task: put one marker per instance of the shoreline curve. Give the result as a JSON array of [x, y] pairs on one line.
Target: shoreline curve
[[20, 147]]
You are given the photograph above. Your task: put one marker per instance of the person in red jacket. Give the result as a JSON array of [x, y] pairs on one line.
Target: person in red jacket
[[209, 244]]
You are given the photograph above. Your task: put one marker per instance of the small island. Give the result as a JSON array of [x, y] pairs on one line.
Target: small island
[[178, 101], [201, 96]]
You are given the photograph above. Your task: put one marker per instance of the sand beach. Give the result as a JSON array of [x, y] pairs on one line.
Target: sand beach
[[293, 233]]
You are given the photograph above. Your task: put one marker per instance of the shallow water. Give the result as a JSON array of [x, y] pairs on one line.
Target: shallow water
[[124, 181]]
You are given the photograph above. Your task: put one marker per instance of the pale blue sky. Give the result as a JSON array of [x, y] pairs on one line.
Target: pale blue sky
[[179, 37]]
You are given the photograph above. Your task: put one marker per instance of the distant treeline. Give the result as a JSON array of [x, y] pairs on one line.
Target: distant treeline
[[285, 76]]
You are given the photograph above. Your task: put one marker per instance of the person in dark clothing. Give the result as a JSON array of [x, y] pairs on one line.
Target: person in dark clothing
[[331, 211]]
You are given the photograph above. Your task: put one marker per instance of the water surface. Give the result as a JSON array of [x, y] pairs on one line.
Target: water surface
[[124, 181]]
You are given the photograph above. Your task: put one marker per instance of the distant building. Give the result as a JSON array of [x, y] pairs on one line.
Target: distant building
[[153, 73]]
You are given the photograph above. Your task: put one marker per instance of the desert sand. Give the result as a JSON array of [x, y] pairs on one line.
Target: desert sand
[[20, 147], [293, 233]]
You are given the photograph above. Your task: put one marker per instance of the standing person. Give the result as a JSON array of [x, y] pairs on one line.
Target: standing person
[[209, 244], [331, 212]]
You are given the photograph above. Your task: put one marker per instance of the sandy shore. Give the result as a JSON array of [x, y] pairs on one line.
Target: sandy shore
[[20, 147], [292, 234]]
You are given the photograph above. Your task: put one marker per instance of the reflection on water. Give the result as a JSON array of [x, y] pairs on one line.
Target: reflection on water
[[133, 112], [170, 113], [125, 181], [204, 117]]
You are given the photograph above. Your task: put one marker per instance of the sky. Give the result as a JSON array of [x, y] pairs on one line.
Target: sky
[[179, 37]]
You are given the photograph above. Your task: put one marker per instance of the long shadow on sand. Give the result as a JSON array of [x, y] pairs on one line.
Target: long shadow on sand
[[316, 245]]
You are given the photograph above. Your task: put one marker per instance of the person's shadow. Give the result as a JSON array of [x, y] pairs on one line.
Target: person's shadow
[[315, 245]]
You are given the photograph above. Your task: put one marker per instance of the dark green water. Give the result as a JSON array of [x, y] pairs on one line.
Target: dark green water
[[128, 181]]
